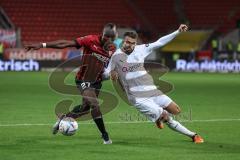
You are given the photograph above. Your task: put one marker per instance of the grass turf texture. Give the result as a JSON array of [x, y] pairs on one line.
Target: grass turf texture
[[26, 98]]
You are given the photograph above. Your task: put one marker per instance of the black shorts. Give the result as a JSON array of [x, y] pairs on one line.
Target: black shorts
[[82, 85]]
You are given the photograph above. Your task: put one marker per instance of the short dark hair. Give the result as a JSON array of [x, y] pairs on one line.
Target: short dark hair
[[131, 34], [110, 25]]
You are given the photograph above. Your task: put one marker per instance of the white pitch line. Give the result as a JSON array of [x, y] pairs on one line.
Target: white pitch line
[[212, 120], [118, 122]]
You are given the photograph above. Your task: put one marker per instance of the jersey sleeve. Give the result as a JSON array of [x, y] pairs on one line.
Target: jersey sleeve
[[83, 41], [148, 48]]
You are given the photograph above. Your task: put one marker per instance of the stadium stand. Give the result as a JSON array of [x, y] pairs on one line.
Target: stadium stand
[[58, 19], [210, 14], [50, 20], [230, 23], [160, 13]]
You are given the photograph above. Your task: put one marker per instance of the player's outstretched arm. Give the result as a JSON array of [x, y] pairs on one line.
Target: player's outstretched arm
[[59, 44], [166, 39]]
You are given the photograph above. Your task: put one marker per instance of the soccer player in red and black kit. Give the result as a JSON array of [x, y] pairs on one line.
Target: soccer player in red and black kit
[[97, 50]]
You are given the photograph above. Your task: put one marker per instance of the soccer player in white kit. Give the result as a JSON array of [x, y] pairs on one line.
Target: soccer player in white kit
[[127, 65]]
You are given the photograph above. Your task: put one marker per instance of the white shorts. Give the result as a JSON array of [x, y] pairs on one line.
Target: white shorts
[[152, 107]]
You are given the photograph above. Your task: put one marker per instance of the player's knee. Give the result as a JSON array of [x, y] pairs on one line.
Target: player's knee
[[94, 102], [95, 111], [178, 110], [173, 109], [88, 100]]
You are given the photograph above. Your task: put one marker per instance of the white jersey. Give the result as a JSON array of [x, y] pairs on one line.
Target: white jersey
[[133, 77]]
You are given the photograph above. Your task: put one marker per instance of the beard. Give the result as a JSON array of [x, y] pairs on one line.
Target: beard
[[127, 50]]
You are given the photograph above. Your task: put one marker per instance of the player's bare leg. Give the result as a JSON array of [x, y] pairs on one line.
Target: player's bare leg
[[172, 108], [90, 97], [89, 104], [79, 110]]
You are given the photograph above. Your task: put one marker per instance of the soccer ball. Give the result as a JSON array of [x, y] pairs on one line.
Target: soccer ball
[[68, 126]]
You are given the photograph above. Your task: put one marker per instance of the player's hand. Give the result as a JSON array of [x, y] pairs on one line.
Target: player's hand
[[114, 75], [183, 28], [29, 47]]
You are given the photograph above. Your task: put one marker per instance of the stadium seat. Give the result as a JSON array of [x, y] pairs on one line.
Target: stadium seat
[[59, 18], [209, 14]]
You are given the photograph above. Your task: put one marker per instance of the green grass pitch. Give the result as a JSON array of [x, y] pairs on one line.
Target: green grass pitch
[[214, 101]]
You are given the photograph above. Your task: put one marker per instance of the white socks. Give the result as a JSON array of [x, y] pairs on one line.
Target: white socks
[[176, 126]]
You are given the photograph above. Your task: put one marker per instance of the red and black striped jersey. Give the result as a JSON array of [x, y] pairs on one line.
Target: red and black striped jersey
[[93, 60]]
